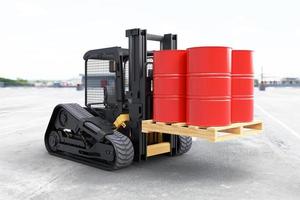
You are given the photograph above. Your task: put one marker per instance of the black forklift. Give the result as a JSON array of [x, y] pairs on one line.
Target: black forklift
[[107, 132]]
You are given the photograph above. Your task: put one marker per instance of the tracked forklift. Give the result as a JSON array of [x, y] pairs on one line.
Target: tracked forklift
[[115, 127], [107, 132]]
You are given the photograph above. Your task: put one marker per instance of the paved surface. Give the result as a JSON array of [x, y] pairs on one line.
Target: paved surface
[[260, 167]]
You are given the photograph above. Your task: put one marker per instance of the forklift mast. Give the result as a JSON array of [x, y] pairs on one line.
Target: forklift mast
[[140, 94]]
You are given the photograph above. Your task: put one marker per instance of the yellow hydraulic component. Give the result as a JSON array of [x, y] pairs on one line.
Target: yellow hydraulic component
[[121, 119]]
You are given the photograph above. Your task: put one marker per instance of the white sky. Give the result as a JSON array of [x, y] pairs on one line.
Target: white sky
[[46, 39]]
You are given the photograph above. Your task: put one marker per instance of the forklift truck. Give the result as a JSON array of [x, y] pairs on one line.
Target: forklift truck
[[107, 132]]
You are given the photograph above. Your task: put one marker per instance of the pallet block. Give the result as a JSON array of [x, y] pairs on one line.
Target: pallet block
[[213, 134], [159, 148]]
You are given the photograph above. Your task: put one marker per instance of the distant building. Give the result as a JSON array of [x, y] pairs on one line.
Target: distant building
[[256, 82], [290, 81], [283, 82], [57, 84], [82, 80], [1, 84]]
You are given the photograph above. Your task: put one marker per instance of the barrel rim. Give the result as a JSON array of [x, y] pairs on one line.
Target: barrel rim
[[250, 76], [211, 47], [170, 50], [237, 97], [169, 75], [206, 98], [242, 50], [208, 74], [167, 96]]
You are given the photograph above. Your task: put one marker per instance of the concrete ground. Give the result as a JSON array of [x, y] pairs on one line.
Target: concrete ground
[[259, 167]]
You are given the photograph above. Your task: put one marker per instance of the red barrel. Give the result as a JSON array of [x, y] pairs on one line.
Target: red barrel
[[242, 84], [169, 71], [208, 86]]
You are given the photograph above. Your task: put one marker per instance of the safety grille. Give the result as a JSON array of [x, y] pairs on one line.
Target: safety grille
[[126, 76], [126, 72], [149, 64], [99, 79], [150, 68]]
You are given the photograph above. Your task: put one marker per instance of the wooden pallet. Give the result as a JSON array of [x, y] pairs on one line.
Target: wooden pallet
[[213, 134]]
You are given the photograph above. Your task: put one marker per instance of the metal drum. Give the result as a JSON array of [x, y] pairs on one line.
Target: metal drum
[[242, 84], [169, 71], [208, 86]]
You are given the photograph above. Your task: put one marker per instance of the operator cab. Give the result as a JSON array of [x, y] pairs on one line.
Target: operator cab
[[106, 81]]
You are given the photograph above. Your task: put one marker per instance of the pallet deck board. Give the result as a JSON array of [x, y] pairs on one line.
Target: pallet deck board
[[213, 134]]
